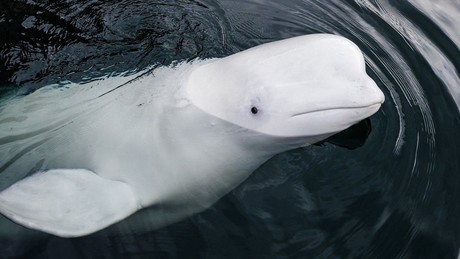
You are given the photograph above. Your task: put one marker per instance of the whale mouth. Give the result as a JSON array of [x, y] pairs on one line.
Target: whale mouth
[[373, 107]]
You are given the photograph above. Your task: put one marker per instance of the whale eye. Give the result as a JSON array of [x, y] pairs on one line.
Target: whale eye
[[254, 110]]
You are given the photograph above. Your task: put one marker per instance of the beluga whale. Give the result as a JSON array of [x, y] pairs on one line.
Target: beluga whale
[[177, 138]]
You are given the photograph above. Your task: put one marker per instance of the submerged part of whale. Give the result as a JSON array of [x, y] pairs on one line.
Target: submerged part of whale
[[178, 138], [351, 138]]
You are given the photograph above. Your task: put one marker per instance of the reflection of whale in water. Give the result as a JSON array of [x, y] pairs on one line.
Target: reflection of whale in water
[[178, 140]]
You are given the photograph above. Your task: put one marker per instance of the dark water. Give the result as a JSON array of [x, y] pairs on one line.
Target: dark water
[[397, 196]]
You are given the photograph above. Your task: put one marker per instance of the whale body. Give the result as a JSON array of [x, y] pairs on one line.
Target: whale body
[[177, 138]]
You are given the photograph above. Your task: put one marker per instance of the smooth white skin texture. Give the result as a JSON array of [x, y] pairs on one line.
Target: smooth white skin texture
[[302, 86], [185, 136]]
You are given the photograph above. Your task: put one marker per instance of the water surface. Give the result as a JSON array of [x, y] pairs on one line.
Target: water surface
[[395, 197]]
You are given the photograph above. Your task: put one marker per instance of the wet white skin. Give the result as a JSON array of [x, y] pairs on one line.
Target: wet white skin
[[177, 140]]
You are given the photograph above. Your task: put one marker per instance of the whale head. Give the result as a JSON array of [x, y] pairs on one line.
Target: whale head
[[308, 87]]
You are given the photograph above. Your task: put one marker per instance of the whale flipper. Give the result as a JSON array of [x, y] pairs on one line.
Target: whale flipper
[[68, 202]]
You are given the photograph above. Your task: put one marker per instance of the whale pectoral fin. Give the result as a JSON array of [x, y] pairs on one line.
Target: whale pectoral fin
[[68, 202]]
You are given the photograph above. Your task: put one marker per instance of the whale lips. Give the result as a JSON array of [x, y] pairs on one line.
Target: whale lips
[[375, 105]]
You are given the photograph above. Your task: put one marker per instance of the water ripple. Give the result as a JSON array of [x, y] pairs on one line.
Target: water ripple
[[395, 197]]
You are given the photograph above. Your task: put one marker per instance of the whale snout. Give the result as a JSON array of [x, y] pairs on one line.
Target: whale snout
[[339, 100], [362, 94], [374, 95]]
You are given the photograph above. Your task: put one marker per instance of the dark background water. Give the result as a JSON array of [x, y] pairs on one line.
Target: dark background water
[[397, 196]]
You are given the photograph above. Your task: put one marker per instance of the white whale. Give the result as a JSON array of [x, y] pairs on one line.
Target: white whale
[[178, 138]]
